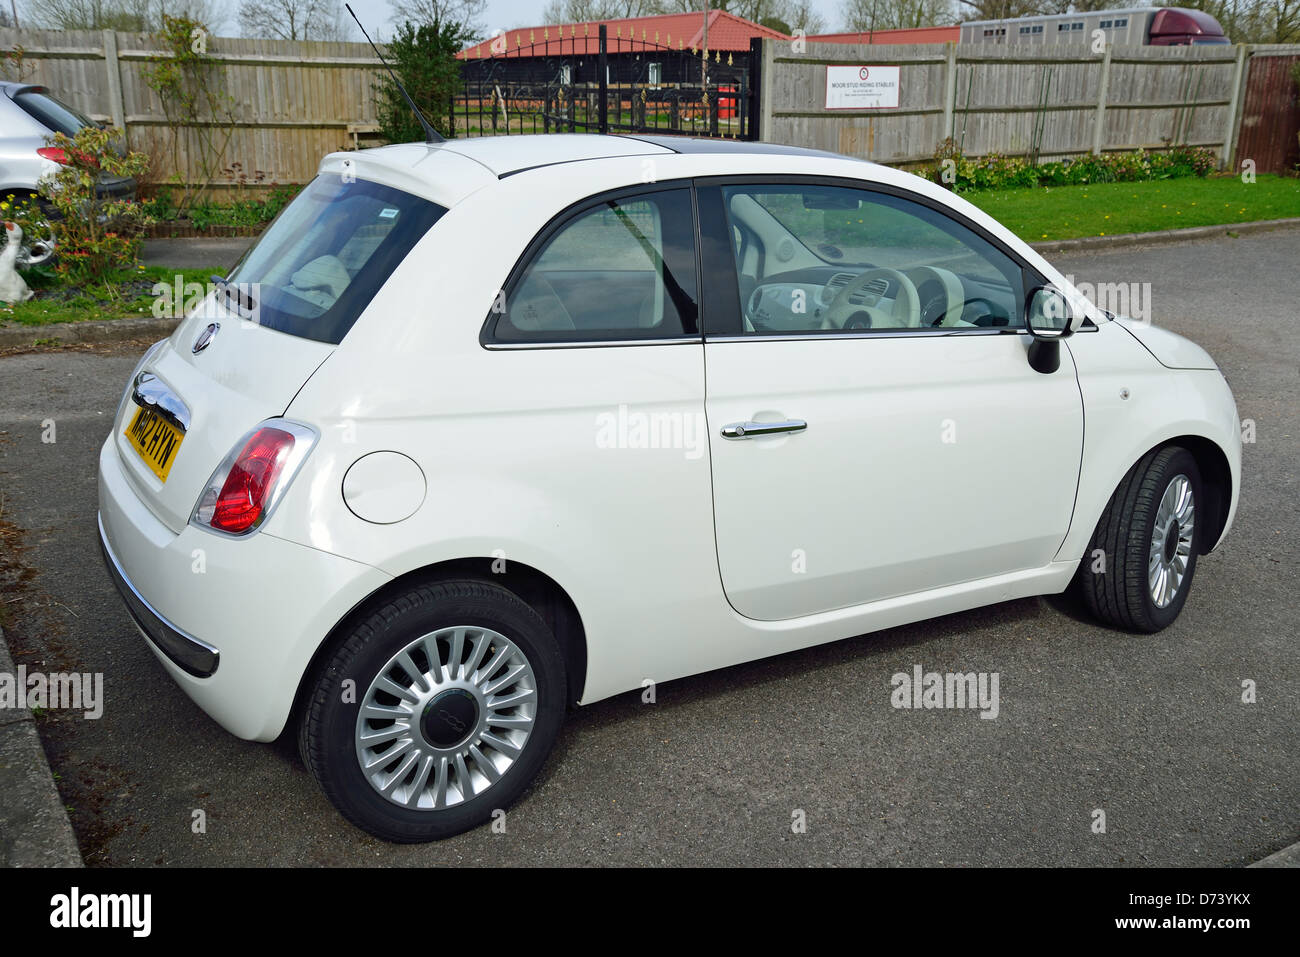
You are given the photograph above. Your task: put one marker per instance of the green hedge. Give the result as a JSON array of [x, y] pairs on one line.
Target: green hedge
[[961, 173]]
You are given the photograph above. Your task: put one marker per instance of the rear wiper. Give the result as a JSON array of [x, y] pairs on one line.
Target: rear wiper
[[243, 299]]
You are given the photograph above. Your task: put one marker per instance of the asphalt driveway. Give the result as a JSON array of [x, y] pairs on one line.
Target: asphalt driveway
[[1151, 730]]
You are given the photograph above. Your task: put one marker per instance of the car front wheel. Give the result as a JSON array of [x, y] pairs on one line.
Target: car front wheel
[[1142, 558], [436, 712]]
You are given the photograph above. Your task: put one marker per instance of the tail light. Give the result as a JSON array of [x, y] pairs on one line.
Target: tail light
[[253, 478], [56, 154]]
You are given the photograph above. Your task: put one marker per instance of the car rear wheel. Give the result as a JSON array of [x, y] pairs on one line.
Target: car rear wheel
[[435, 712], [38, 250], [38, 245], [1142, 558]]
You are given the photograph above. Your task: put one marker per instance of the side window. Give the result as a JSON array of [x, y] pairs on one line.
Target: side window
[[624, 269], [837, 259]]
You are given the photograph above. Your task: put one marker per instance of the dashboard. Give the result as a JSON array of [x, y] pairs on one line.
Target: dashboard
[[800, 300]]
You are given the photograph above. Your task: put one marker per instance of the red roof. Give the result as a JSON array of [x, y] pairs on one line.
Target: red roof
[[680, 31], [916, 35]]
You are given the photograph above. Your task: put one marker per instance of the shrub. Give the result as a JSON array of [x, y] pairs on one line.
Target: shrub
[[960, 173], [95, 238], [424, 58]]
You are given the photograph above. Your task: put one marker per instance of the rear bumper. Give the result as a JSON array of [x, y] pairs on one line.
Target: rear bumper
[[186, 652], [235, 622], [120, 189]]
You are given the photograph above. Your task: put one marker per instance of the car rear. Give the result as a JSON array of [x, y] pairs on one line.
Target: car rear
[[201, 453], [31, 115]]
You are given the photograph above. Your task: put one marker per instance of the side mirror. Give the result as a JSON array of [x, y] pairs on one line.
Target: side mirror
[[1049, 318]]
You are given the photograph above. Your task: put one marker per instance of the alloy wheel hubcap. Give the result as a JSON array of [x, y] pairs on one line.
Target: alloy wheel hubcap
[[1171, 541], [446, 717]]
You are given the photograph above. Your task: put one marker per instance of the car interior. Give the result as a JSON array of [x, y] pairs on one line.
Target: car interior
[[819, 259], [327, 253], [610, 272]]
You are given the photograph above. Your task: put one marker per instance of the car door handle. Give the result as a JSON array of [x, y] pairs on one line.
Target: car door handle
[[747, 430]]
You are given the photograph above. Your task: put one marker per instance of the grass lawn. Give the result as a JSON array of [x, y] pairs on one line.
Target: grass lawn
[[1107, 209], [129, 295]]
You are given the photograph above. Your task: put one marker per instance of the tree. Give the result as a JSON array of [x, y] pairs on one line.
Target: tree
[[294, 20], [864, 15], [1254, 21], [136, 16], [1002, 9], [467, 15], [424, 58], [801, 16], [797, 14], [587, 11]]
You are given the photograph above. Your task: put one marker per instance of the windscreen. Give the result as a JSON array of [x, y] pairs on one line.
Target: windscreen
[[322, 260]]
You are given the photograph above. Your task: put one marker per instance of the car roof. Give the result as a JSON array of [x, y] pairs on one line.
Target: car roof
[[506, 155], [704, 144], [503, 155]]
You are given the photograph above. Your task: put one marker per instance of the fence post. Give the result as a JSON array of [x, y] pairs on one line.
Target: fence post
[[1230, 130], [602, 68], [115, 101], [766, 74], [949, 90], [753, 104], [1099, 129]]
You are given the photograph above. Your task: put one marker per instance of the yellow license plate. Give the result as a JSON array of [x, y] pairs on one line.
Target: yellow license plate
[[155, 439]]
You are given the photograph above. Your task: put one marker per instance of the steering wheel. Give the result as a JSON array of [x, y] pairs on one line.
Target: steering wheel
[[907, 304], [990, 312]]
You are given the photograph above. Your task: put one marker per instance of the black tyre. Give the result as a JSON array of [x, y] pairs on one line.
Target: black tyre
[[1141, 561], [435, 712], [37, 249]]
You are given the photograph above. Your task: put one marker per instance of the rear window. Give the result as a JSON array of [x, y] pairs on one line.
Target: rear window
[[52, 114], [322, 260]]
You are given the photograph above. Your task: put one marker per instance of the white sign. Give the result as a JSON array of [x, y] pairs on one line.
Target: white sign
[[862, 87]]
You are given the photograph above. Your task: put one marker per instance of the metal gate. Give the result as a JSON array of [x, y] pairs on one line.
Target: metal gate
[[1270, 115], [590, 82]]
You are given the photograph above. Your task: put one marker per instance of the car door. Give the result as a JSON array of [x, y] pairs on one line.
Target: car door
[[869, 440]]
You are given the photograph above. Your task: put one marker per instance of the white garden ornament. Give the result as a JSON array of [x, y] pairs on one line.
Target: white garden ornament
[[12, 287]]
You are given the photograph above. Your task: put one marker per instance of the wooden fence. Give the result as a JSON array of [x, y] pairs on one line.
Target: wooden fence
[[1016, 99], [293, 102], [1269, 132]]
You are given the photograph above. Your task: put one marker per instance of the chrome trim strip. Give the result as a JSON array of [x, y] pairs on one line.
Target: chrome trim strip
[[188, 653], [150, 392], [923, 333], [590, 344]]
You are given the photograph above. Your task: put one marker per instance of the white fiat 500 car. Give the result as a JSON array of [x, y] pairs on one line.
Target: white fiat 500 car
[[481, 430]]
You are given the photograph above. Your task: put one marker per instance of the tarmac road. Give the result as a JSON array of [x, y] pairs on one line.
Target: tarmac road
[[1152, 730]]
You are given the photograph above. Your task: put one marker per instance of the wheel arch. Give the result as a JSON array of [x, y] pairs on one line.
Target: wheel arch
[[531, 585], [1216, 484]]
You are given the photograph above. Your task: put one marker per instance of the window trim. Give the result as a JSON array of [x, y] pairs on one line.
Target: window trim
[[727, 272], [487, 333]]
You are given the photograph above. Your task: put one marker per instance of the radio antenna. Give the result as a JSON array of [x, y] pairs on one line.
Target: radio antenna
[[430, 134]]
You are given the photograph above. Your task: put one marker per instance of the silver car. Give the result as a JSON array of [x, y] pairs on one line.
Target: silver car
[[29, 115]]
